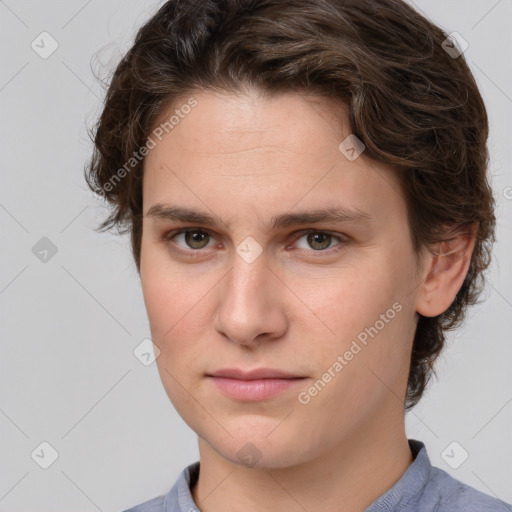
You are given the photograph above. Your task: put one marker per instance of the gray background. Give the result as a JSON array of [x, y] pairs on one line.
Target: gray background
[[68, 374]]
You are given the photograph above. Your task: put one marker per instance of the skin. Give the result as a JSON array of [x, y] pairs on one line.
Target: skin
[[245, 158]]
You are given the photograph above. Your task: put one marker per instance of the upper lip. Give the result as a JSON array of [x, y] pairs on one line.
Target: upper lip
[[258, 373]]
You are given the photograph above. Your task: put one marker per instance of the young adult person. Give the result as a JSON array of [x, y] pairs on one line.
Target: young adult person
[[304, 183]]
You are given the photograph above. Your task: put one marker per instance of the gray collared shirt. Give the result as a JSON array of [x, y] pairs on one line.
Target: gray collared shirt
[[422, 488]]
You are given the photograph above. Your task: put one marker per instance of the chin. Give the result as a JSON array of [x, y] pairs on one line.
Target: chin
[[259, 454], [263, 447]]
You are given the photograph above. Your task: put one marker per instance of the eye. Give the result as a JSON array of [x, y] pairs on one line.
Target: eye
[[318, 241], [193, 239]]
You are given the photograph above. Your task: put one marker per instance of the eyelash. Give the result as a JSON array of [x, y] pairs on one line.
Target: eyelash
[[167, 239]]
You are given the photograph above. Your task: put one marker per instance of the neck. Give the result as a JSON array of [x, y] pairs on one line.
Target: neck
[[349, 476]]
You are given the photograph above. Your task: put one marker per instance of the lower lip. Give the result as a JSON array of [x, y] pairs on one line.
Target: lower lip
[[253, 390]]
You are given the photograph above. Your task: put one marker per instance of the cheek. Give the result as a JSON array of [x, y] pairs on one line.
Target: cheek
[[175, 328], [177, 313], [346, 302], [362, 315], [174, 313], [160, 304], [167, 295], [165, 309]]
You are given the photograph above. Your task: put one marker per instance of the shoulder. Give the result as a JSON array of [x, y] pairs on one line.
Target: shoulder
[[177, 499], [447, 494], [154, 505]]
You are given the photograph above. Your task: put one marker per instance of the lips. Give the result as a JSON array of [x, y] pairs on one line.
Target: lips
[[253, 385], [256, 374]]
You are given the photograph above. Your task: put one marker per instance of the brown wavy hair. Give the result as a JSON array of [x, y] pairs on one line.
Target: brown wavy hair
[[412, 104]]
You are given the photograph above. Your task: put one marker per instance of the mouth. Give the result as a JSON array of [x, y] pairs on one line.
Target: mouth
[[254, 385]]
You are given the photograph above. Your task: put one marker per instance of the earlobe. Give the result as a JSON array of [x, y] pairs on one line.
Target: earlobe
[[445, 271]]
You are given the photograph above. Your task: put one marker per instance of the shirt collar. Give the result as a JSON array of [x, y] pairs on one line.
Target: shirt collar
[[403, 496], [406, 493]]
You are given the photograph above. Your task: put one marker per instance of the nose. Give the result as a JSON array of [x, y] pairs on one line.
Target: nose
[[251, 303]]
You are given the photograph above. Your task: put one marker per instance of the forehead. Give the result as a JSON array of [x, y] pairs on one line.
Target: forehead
[[231, 124], [262, 155]]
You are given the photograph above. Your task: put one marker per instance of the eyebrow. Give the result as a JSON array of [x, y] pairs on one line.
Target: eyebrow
[[185, 215]]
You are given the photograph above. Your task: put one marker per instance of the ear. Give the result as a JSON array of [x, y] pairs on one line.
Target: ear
[[446, 267]]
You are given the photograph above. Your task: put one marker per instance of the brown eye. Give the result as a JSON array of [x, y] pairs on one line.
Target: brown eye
[[193, 239], [319, 241], [196, 239]]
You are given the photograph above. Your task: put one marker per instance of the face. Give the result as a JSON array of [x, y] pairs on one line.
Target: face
[[267, 283]]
